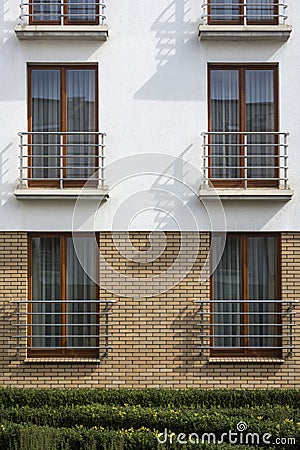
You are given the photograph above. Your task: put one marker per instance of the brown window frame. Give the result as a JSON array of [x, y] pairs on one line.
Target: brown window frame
[[241, 68], [242, 352], [63, 20], [240, 19], [63, 117], [63, 351]]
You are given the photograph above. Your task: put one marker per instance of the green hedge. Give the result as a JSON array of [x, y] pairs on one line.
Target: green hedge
[[87, 419], [149, 397], [218, 420], [26, 437]]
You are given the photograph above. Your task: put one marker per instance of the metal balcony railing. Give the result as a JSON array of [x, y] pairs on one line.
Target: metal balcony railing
[[62, 12], [42, 325], [263, 326], [244, 12], [61, 159], [245, 159]]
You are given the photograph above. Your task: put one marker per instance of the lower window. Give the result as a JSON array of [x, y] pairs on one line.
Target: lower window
[[63, 302], [246, 310]]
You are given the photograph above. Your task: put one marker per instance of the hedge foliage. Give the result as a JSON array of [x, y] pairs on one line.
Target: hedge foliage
[[99, 419]]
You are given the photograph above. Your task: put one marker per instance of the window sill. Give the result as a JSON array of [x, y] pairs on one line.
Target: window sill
[[67, 32], [246, 360], [279, 33], [208, 193], [62, 360], [60, 194]]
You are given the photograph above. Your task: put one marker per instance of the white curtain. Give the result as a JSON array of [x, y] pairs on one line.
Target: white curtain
[[45, 88], [80, 287], [81, 117], [262, 286], [46, 10], [260, 116], [81, 11], [224, 107], [260, 10], [225, 10], [227, 285], [45, 288]]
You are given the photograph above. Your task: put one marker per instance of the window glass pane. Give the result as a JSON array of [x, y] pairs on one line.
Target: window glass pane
[[260, 117], [82, 316], [46, 281], [46, 10], [81, 113], [82, 11], [260, 10], [227, 10], [45, 92], [224, 107], [262, 279], [227, 285]]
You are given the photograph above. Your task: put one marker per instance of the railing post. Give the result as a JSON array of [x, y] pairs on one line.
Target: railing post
[[18, 338], [62, 12], [101, 162], [205, 163], [21, 160], [291, 330], [61, 161], [285, 152], [21, 17], [245, 162], [245, 12]]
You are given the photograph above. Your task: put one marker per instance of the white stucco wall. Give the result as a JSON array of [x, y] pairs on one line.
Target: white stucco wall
[[152, 99]]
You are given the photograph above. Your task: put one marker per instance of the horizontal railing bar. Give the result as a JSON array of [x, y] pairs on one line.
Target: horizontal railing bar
[[245, 3], [234, 336], [63, 347], [67, 178], [274, 156], [63, 133], [240, 167], [57, 167], [243, 133], [61, 4], [62, 156], [246, 301], [244, 325], [61, 324], [99, 313], [67, 336], [240, 347], [63, 301], [215, 313]]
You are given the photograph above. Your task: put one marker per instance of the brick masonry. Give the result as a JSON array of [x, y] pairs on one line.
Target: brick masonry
[[154, 340]]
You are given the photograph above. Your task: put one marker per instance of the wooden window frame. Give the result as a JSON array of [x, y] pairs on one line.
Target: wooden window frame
[[246, 352], [64, 5], [61, 352], [63, 68], [240, 19], [242, 68]]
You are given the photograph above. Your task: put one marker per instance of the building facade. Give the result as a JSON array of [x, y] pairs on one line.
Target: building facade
[[149, 221]]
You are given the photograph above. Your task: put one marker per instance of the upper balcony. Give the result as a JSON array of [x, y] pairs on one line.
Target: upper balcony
[[236, 20], [62, 19], [61, 165], [245, 165]]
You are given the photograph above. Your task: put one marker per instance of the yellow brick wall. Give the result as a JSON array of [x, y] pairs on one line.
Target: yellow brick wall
[[154, 340]]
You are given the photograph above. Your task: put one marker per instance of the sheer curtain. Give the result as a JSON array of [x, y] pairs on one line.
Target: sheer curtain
[[225, 10], [227, 285], [45, 288], [46, 10], [81, 105], [262, 286], [45, 89], [224, 98], [81, 288], [260, 116], [82, 11], [260, 10]]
